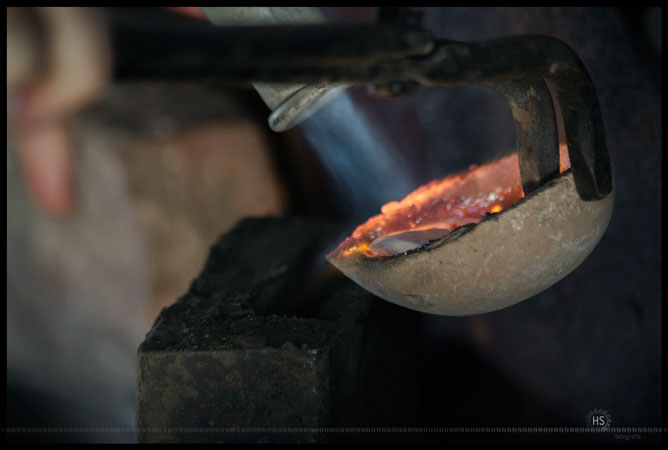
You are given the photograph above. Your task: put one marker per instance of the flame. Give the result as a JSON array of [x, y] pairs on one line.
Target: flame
[[449, 203]]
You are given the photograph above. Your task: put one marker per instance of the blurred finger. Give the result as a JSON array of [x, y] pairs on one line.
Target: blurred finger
[[46, 155]]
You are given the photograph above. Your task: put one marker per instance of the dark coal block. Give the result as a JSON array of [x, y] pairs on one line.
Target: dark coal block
[[270, 336]]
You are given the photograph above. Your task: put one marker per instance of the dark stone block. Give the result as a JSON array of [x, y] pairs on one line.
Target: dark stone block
[[269, 336]]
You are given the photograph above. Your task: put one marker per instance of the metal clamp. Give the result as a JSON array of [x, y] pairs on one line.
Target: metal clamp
[[388, 53]]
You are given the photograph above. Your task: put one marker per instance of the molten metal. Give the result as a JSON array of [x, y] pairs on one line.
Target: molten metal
[[445, 204]]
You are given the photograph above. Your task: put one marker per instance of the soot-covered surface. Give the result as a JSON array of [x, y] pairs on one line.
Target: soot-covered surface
[[243, 283], [269, 335]]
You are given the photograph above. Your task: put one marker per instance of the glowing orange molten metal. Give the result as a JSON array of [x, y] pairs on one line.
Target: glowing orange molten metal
[[445, 204]]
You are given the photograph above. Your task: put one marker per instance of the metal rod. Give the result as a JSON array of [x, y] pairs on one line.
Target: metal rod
[[273, 54], [536, 129]]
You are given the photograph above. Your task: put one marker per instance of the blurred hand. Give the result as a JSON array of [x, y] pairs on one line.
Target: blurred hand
[[58, 59]]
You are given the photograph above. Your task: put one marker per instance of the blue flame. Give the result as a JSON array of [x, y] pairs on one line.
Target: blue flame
[[366, 168]]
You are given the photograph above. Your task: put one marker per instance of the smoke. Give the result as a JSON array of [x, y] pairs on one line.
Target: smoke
[[367, 169]]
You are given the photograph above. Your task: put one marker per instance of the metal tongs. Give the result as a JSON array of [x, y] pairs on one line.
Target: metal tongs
[[394, 57]]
